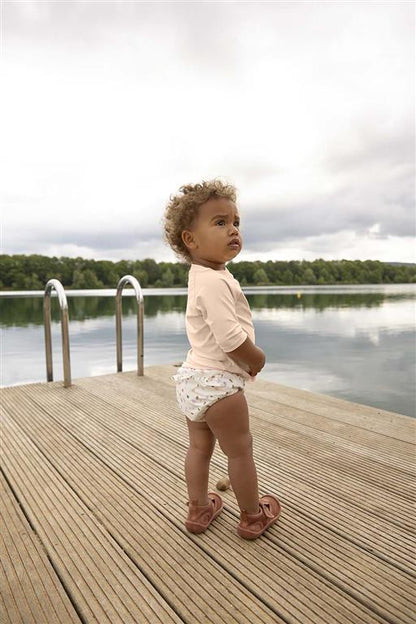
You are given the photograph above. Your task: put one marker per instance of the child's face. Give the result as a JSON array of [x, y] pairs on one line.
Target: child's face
[[214, 238]]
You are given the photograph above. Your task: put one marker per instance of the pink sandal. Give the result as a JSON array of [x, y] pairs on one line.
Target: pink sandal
[[253, 525], [200, 516]]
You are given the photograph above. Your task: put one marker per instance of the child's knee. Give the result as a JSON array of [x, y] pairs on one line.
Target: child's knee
[[240, 446], [203, 449]]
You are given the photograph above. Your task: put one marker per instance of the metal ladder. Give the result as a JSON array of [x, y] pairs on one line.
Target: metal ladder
[[139, 298], [56, 284]]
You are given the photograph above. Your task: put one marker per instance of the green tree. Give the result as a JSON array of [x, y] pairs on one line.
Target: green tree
[[286, 277], [28, 272], [78, 279], [324, 277], [167, 278], [142, 277], [260, 277], [91, 280], [32, 282], [18, 280], [309, 276], [152, 269]]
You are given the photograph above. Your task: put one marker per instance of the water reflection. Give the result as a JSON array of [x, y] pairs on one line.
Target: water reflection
[[353, 345], [25, 311]]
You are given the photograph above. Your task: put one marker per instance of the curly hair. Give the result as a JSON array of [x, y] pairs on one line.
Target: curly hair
[[183, 208]]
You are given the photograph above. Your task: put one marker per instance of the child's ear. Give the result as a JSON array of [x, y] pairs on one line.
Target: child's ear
[[188, 239]]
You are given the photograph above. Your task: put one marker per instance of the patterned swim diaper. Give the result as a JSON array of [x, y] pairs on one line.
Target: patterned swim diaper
[[198, 389]]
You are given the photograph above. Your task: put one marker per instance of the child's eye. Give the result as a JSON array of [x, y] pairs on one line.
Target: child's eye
[[222, 222]]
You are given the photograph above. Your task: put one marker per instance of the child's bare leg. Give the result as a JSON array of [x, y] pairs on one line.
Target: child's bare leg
[[228, 420], [201, 447]]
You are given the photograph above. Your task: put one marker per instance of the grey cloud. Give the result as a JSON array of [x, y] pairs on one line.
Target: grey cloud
[[375, 172], [264, 226], [32, 239], [376, 186], [116, 238], [374, 147]]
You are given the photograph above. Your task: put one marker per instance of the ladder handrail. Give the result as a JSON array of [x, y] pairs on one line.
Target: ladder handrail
[[56, 284], [139, 298]]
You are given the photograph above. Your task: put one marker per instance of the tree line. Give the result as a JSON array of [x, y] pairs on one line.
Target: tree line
[[31, 272]]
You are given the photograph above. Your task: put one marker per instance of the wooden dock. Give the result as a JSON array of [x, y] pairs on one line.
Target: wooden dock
[[94, 498]]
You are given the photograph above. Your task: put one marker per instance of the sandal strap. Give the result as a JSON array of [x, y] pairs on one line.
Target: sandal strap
[[266, 509]]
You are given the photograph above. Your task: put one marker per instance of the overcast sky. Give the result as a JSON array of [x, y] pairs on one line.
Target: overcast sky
[[307, 107]]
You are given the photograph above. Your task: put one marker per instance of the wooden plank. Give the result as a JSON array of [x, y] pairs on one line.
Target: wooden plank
[[32, 592], [98, 575], [123, 505], [396, 426], [332, 450], [192, 582], [82, 420], [328, 453], [338, 513], [378, 446], [381, 443], [381, 446], [390, 424], [399, 540]]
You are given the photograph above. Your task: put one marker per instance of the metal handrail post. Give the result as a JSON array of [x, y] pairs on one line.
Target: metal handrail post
[[56, 284], [129, 279]]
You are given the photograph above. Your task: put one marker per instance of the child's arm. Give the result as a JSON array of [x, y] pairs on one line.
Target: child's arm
[[248, 356]]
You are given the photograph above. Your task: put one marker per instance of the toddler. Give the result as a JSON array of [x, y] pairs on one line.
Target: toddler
[[202, 225]]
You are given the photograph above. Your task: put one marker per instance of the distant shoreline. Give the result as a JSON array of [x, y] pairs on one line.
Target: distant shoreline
[[298, 289], [31, 273]]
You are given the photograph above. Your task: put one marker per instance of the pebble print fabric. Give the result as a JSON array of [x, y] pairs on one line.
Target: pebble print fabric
[[198, 389]]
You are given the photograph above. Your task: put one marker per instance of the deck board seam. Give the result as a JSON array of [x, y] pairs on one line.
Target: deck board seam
[[14, 495], [128, 441], [291, 553], [288, 428], [64, 549], [166, 517], [23, 606], [332, 418], [346, 446], [313, 397], [99, 437], [98, 520], [260, 435], [339, 586], [312, 484], [90, 451], [326, 455], [211, 555], [44, 549]]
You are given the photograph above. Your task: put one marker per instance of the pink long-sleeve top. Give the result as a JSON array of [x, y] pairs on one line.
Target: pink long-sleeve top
[[218, 319]]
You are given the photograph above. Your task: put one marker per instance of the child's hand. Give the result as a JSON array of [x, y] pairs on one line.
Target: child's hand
[[249, 356], [256, 367]]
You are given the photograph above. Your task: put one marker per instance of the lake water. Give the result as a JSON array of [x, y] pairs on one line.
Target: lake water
[[352, 342]]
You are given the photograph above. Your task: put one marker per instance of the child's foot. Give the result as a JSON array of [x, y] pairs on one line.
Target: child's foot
[[253, 525], [200, 516]]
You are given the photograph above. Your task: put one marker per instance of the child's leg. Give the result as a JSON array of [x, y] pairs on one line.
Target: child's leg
[[201, 447], [228, 420]]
